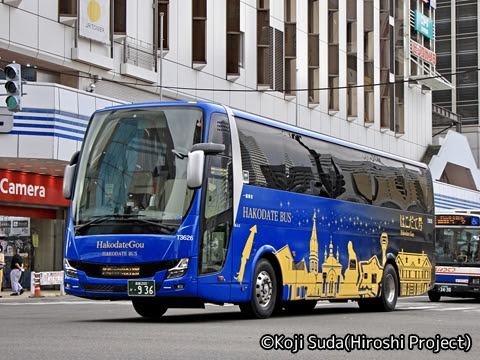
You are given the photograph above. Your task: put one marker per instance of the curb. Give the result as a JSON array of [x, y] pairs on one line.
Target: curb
[[27, 296]]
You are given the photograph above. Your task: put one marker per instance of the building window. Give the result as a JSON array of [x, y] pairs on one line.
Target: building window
[[392, 48], [234, 38], [270, 53], [313, 53], [386, 87], [120, 17], [199, 31], [67, 7], [263, 44], [399, 49], [290, 56], [466, 61], [368, 64], [163, 6], [276, 59], [333, 56], [352, 58]]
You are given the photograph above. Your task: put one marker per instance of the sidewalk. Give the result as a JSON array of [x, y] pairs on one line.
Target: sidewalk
[[27, 296]]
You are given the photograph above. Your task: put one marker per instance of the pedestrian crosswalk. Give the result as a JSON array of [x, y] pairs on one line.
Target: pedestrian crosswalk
[[421, 303], [439, 307]]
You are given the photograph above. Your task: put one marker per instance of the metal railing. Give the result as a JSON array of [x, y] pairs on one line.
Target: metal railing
[[139, 53]]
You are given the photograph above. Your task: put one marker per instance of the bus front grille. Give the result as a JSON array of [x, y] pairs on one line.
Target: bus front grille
[[142, 270], [104, 288]]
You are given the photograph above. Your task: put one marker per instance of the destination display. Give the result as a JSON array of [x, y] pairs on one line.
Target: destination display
[[121, 271], [457, 220]]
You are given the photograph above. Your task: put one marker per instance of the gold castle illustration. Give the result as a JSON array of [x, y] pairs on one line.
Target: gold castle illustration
[[361, 278]]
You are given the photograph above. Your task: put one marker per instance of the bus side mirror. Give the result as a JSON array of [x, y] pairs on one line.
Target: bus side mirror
[[208, 148], [196, 160], [69, 175]]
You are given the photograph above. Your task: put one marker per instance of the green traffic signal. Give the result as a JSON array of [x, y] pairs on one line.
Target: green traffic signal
[[13, 86], [12, 102]]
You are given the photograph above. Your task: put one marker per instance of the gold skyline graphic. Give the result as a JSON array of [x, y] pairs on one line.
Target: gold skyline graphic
[[359, 279]]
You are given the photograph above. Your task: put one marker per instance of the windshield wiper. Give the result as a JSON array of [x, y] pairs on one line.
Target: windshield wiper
[[101, 218], [167, 229]]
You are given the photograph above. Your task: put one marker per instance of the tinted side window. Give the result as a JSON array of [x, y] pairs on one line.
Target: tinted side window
[[281, 160], [275, 158]]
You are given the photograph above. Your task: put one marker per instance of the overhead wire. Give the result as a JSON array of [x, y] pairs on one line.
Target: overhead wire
[[187, 88]]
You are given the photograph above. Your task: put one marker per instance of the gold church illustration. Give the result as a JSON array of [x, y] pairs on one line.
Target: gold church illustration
[[360, 278]]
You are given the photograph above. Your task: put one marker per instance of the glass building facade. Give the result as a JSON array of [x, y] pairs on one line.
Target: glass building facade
[[456, 28]]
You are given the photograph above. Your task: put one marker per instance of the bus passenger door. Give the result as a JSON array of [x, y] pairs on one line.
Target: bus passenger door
[[216, 215], [217, 218]]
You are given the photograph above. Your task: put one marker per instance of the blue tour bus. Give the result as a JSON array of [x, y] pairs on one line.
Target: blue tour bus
[[457, 254], [180, 204]]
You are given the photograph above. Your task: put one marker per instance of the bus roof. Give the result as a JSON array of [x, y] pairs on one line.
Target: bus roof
[[212, 106]]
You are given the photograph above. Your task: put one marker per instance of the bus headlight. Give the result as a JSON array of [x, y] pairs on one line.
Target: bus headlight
[[179, 270], [70, 271]]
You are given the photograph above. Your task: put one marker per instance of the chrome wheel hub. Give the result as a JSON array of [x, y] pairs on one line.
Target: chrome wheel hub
[[263, 289]]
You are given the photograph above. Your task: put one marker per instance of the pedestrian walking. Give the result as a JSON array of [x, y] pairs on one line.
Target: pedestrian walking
[[16, 270], [2, 265]]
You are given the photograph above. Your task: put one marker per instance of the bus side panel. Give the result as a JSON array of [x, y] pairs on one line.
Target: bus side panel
[[215, 287], [330, 249]]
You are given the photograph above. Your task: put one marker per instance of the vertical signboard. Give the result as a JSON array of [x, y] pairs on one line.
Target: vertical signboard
[[94, 21], [423, 24]]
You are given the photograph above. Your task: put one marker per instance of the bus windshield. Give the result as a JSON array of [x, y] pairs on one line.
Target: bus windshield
[[134, 177], [457, 246]]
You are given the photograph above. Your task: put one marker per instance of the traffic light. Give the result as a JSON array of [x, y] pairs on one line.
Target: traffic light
[[13, 75]]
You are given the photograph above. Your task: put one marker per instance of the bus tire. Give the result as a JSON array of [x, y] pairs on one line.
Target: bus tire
[[388, 293], [264, 292], [434, 296], [149, 308]]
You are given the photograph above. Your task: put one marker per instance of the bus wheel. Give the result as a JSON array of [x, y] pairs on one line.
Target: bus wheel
[[389, 295], [264, 292], [149, 308], [434, 296]]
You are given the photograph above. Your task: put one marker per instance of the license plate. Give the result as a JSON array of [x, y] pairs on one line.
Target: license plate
[[444, 289], [141, 288]]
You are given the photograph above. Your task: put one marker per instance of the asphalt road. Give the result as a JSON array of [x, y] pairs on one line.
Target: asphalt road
[[69, 328]]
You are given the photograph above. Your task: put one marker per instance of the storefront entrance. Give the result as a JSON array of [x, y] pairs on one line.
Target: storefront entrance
[[32, 219]]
